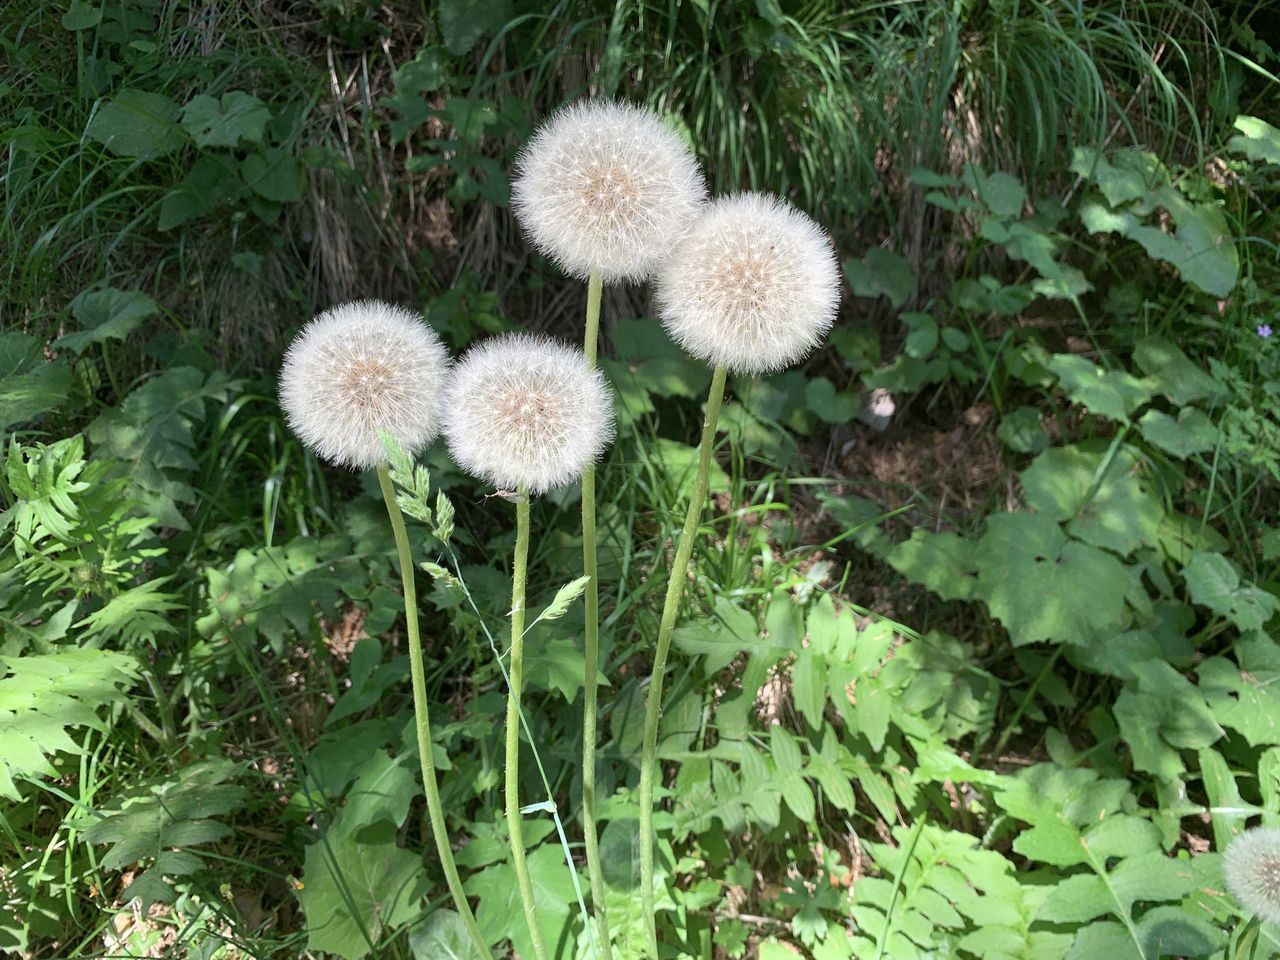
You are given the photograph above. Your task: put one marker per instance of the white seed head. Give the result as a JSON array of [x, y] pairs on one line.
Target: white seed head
[[606, 186], [1252, 866], [526, 412], [752, 285], [360, 368]]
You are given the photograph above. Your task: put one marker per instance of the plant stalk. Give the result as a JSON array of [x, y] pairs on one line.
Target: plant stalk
[[591, 657], [670, 607], [515, 675], [423, 721]]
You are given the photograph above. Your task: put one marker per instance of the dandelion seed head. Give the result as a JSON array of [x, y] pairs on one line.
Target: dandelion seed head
[[359, 368], [606, 186], [527, 412], [1252, 867], [752, 285]]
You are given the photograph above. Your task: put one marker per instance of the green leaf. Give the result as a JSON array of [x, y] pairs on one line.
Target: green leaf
[[1257, 140], [1001, 192], [212, 180], [1245, 695], [1020, 431], [830, 405], [1214, 583], [157, 828], [1042, 586], [1100, 496], [923, 338], [1192, 432], [274, 175], [722, 636], [107, 314], [1171, 373], [137, 124], [501, 914], [352, 892], [557, 664], [383, 791], [81, 16], [620, 853], [943, 562], [238, 117], [464, 22], [43, 697], [881, 272], [29, 385], [443, 936], [1109, 393]]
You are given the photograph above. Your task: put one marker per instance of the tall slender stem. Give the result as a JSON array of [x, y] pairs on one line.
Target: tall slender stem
[[515, 677], [670, 607], [423, 720], [591, 658]]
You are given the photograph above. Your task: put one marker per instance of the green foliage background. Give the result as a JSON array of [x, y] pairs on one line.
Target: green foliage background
[[1000, 680]]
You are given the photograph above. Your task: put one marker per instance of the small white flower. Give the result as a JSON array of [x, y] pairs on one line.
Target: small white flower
[[606, 186], [752, 285], [1253, 871], [527, 413], [360, 368]]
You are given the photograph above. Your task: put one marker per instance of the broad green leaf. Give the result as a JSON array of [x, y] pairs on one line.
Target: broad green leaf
[[29, 384], [1001, 192], [1042, 586], [212, 180], [1108, 393], [443, 936], [44, 697], [384, 789], [81, 16], [1020, 431], [1170, 372], [274, 175], [557, 664], [107, 314], [830, 405], [1108, 507], [1257, 139], [620, 853], [1125, 176], [501, 915], [464, 22], [238, 117], [1245, 696], [352, 892], [1214, 583], [943, 562], [881, 272], [1192, 432], [138, 124]]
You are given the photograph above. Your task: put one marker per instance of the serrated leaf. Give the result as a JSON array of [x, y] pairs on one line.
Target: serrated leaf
[[1257, 140], [1020, 430], [943, 562], [44, 697], [722, 637]]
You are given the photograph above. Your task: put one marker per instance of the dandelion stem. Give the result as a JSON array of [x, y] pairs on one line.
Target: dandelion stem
[[670, 607], [591, 665], [434, 809], [515, 677]]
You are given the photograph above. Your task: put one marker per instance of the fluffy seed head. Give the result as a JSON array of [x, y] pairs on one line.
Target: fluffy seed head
[[1253, 871], [606, 186], [527, 412], [360, 368], [752, 285]]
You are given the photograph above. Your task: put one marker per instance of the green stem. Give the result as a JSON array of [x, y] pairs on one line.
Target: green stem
[[670, 607], [591, 665], [434, 809], [515, 676]]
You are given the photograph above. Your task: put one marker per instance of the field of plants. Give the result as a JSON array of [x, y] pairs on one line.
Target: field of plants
[[918, 599]]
